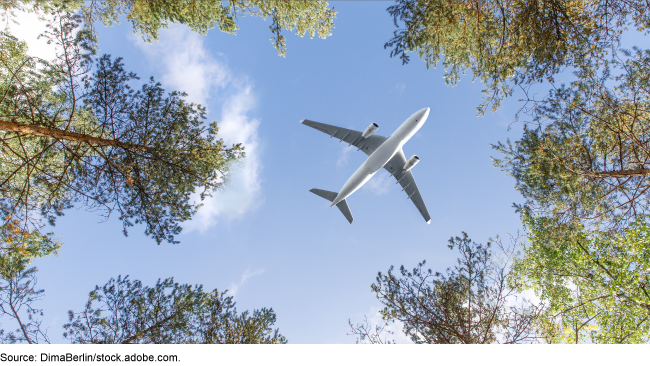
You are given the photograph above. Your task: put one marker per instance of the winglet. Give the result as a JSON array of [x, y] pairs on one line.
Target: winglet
[[429, 222], [302, 121]]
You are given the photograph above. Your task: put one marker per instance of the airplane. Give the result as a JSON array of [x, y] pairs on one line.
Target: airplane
[[383, 152]]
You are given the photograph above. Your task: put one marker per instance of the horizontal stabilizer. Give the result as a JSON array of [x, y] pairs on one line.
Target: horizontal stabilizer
[[345, 210], [330, 196]]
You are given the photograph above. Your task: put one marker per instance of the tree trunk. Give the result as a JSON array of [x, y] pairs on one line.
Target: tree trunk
[[64, 135]]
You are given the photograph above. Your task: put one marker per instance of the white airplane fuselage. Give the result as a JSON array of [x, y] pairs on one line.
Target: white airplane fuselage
[[383, 154]]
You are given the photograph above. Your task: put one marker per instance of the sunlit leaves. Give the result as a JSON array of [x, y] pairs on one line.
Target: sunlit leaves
[[596, 285], [148, 17], [510, 43]]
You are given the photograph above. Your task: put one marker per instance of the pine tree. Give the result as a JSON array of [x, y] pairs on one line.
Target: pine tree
[[473, 303], [70, 135], [125, 311], [584, 156]]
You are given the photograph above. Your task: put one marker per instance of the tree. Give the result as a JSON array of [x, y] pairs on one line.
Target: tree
[[585, 158], [508, 43], [471, 304], [124, 311], [18, 297], [595, 284], [149, 16], [69, 136], [582, 166]]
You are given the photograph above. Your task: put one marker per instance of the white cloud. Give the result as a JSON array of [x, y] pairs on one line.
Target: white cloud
[[344, 155], [28, 29], [234, 287], [190, 67], [379, 184]]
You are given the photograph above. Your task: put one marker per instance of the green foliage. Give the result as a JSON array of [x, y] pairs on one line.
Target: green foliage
[[18, 247], [511, 43], [471, 304], [582, 166], [124, 311], [149, 16], [27, 87], [595, 285], [8, 8], [90, 139], [586, 157]]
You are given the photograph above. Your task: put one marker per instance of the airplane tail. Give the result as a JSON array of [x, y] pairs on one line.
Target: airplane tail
[[330, 196]]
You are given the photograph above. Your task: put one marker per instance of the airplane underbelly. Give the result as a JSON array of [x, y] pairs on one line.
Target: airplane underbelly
[[358, 179], [383, 154], [375, 161]]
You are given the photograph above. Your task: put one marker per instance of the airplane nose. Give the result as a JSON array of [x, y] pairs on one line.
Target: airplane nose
[[424, 113]]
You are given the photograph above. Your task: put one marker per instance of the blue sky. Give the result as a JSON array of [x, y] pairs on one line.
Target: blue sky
[[265, 237]]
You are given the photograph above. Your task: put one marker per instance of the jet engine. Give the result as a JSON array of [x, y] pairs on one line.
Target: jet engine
[[411, 163], [370, 130]]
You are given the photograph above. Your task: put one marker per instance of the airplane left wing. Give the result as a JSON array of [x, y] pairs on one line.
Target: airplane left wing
[[406, 180], [352, 137]]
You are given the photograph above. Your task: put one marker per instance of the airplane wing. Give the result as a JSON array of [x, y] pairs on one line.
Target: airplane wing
[[352, 137], [406, 180]]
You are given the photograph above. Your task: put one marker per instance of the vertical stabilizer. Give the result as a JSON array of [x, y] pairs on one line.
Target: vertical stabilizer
[[330, 196]]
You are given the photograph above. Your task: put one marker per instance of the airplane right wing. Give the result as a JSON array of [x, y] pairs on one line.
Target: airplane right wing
[[407, 181], [352, 137]]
